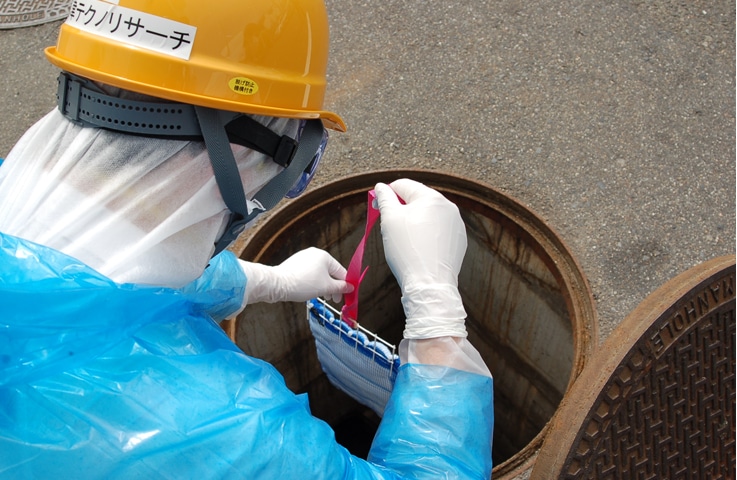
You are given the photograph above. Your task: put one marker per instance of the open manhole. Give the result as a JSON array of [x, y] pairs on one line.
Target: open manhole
[[530, 310]]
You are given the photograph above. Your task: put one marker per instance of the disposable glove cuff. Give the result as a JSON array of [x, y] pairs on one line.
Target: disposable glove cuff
[[262, 283], [433, 311]]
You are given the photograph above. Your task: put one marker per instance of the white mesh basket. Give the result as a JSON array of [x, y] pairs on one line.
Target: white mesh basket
[[355, 360]]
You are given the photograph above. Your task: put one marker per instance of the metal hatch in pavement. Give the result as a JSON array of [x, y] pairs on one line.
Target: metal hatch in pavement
[[657, 400], [24, 13]]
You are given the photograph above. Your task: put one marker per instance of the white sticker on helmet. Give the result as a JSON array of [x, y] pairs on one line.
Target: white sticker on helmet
[[133, 27]]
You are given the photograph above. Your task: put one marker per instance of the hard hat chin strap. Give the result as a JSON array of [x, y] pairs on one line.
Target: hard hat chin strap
[[83, 103], [226, 175], [228, 178]]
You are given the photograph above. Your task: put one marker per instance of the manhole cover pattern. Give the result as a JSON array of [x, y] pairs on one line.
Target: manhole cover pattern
[[24, 13], [668, 409]]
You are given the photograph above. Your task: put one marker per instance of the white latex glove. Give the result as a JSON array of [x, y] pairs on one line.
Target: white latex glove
[[424, 244], [307, 274]]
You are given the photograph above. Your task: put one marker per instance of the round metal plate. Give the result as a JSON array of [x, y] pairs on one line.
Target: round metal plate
[[658, 399], [24, 13]]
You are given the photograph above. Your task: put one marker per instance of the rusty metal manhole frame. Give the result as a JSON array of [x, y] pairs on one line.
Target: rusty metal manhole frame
[[468, 194]]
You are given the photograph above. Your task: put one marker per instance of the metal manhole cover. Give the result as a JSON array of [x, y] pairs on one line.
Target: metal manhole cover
[[658, 399], [24, 13]]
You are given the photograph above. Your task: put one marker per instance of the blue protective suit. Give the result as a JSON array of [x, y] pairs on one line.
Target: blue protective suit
[[103, 380]]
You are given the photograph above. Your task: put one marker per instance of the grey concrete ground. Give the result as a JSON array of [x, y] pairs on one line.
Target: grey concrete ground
[[612, 120]]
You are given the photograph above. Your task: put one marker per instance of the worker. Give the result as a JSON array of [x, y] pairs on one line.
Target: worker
[[178, 124]]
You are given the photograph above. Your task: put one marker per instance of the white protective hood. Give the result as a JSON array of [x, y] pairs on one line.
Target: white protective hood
[[136, 209]]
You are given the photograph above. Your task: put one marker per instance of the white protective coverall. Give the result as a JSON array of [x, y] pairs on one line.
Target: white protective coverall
[[112, 364]]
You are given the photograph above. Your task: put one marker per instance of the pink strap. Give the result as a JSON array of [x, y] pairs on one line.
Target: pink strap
[[354, 276]]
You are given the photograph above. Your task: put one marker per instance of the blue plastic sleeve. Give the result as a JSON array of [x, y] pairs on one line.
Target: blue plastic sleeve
[[109, 381], [438, 424], [220, 289]]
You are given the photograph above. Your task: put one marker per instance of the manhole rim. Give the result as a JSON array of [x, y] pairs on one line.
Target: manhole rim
[[564, 266]]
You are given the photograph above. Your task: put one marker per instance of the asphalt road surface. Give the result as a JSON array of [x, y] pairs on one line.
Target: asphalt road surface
[[614, 121]]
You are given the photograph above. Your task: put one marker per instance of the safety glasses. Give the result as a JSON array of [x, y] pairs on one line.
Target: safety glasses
[[304, 179]]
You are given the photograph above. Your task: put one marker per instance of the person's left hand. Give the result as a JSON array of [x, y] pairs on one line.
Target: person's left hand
[[307, 274]]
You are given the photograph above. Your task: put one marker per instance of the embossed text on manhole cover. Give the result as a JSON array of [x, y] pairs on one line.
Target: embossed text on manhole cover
[[24, 13]]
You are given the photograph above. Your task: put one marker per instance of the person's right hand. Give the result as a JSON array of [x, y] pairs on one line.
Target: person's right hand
[[424, 244]]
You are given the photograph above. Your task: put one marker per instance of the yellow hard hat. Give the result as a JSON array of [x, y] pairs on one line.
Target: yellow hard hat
[[265, 57]]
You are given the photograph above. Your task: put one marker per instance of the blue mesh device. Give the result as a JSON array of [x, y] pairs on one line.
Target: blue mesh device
[[355, 360]]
